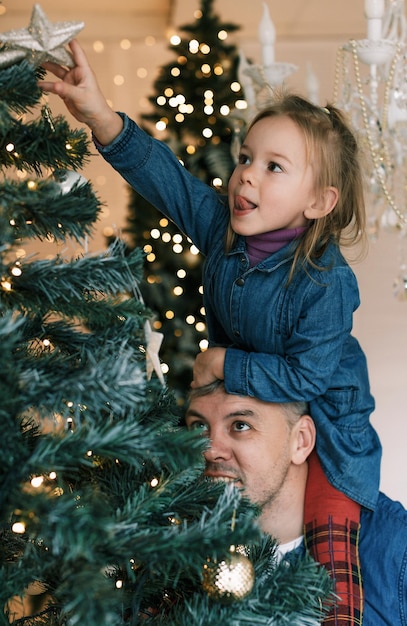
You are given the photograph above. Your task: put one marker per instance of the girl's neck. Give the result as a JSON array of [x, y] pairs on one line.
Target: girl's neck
[[261, 246]]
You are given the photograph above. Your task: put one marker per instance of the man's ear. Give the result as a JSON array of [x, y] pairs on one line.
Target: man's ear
[[303, 440], [323, 205]]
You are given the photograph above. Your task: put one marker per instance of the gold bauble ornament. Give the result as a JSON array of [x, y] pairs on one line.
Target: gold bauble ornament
[[229, 580]]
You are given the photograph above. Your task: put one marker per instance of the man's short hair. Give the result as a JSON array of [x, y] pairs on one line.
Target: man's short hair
[[293, 410]]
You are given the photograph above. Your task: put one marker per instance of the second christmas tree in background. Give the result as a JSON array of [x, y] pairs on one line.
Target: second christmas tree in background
[[194, 97]]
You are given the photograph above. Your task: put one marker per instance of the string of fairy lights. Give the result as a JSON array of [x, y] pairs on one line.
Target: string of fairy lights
[[180, 244]]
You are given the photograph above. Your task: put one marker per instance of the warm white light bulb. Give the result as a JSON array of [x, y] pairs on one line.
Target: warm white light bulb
[[18, 527]]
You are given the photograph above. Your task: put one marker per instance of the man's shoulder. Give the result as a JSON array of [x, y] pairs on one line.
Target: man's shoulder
[[386, 525], [388, 511], [383, 558]]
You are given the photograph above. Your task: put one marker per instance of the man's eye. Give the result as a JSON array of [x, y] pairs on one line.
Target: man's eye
[[241, 426], [200, 426]]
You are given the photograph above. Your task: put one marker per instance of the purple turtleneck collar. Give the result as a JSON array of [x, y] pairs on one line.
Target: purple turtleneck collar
[[259, 247]]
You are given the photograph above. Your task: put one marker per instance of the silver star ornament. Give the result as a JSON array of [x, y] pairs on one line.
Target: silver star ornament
[[154, 341], [41, 41]]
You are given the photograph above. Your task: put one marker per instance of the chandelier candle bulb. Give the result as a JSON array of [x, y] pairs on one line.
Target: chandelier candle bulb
[[374, 11], [267, 37]]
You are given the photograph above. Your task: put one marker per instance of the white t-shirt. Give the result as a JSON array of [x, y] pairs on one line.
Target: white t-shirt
[[283, 548]]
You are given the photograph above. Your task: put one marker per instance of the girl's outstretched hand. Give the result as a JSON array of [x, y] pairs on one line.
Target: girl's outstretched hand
[[208, 367], [79, 89]]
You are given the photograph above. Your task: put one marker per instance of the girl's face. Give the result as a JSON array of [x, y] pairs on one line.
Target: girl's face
[[272, 186]]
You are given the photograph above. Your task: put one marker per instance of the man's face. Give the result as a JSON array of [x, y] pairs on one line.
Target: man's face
[[250, 443]]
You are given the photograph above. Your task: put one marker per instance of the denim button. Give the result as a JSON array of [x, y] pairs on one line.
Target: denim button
[[236, 333], [240, 282]]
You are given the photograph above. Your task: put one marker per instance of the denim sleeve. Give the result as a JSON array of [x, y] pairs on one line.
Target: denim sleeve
[[152, 169], [317, 352]]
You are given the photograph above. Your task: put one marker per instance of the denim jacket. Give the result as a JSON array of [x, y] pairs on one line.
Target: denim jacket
[[284, 343], [383, 561]]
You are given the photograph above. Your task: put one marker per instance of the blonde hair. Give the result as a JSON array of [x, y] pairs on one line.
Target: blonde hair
[[334, 151]]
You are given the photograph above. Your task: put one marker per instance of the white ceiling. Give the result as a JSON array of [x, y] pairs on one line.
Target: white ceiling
[[317, 19], [102, 18]]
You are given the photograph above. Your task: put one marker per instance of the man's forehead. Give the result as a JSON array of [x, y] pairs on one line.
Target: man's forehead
[[226, 404]]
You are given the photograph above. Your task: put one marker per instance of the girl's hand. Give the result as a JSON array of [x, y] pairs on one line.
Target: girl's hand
[[208, 367], [79, 89]]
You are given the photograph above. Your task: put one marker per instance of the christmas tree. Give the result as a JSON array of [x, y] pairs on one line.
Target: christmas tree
[[194, 97], [195, 94], [104, 518]]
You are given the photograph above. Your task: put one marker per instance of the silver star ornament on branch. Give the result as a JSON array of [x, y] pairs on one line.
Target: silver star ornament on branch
[[153, 340], [41, 41]]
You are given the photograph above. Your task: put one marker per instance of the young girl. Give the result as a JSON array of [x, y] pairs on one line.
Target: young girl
[[279, 296]]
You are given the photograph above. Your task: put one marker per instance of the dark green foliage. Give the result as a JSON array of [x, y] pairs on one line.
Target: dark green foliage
[[207, 158], [45, 209], [102, 505], [161, 276], [271, 601], [191, 83], [38, 144], [19, 89]]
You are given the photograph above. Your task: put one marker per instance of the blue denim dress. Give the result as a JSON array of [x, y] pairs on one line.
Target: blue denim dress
[[284, 343]]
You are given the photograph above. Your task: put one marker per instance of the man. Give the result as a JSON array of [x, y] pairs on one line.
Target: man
[[264, 449]]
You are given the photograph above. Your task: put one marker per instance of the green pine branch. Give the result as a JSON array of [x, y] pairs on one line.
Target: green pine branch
[[279, 597], [39, 144], [19, 88], [40, 210], [53, 283]]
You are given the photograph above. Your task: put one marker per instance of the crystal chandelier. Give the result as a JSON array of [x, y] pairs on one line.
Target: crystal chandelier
[[371, 85]]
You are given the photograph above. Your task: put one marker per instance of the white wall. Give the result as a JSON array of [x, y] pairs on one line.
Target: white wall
[[381, 327]]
